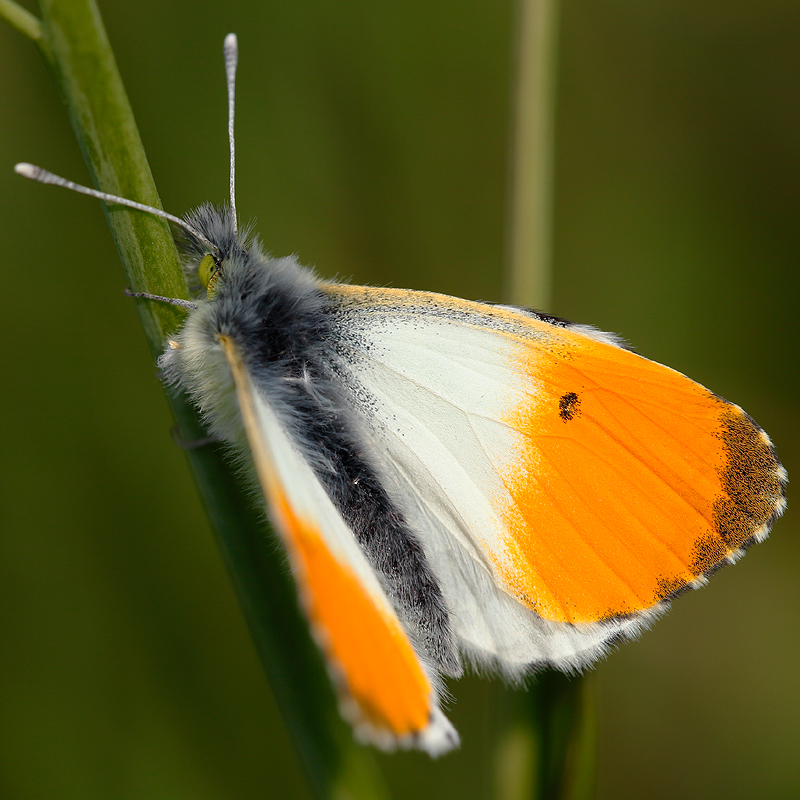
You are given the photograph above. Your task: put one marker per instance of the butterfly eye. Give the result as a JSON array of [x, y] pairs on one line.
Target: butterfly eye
[[208, 272]]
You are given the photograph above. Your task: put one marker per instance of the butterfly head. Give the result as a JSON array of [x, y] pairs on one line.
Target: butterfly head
[[210, 244], [208, 272]]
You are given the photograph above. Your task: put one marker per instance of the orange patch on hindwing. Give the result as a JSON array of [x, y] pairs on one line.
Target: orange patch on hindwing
[[631, 482]]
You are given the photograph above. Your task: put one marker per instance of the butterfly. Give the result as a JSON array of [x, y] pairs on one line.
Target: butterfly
[[457, 484]]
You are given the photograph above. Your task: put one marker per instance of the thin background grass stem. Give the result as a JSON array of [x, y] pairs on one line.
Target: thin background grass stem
[[546, 748], [529, 238]]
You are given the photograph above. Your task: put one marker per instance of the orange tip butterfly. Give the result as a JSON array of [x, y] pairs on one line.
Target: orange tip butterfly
[[456, 484]]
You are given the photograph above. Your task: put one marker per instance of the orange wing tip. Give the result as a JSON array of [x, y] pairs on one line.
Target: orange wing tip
[[369, 721], [383, 688], [436, 738], [684, 504]]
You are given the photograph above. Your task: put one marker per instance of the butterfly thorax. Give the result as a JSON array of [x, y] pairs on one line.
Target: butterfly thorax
[[284, 326]]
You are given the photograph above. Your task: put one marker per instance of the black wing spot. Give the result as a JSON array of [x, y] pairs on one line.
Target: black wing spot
[[569, 406]]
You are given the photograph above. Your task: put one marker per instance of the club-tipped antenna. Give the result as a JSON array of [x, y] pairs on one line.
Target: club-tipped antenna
[[231, 49], [43, 176]]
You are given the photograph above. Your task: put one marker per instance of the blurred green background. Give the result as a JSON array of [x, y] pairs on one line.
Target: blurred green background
[[372, 142]]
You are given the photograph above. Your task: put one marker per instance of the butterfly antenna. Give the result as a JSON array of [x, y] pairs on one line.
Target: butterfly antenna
[[231, 49], [35, 173]]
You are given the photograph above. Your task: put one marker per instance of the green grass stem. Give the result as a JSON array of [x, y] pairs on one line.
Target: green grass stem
[[74, 44], [21, 19]]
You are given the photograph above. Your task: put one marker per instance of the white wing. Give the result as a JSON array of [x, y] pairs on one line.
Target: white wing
[[384, 690], [555, 528]]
